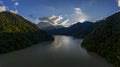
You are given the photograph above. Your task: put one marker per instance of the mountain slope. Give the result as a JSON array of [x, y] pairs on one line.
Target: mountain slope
[[88, 27], [79, 30], [105, 40], [45, 26], [16, 33]]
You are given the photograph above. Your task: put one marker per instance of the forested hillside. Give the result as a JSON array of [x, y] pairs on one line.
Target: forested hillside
[[16, 33], [105, 40]]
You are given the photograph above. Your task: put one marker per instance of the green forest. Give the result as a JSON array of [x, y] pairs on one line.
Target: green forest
[[17, 33], [105, 39]]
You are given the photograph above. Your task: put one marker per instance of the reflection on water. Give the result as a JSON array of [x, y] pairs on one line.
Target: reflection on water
[[63, 52], [68, 46]]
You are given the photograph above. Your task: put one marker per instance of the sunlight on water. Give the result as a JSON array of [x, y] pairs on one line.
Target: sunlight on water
[[63, 52], [66, 46]]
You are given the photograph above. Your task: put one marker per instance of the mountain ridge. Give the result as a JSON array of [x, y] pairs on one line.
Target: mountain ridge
[[74, 30]]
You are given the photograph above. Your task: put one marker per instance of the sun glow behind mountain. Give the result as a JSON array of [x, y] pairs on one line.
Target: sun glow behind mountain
[[77, 16]]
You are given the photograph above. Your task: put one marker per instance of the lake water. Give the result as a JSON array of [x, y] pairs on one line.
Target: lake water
[[63, 52]]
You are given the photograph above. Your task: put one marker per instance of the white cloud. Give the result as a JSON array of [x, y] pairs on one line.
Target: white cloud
[[65, 23], [55, 20], [5, 8], [16, 3], [77, 10], [118, 3], [2, 8], [16, 11], [59, 19], [79, 15]]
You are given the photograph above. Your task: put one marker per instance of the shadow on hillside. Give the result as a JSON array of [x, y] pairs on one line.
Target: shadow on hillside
[[15, 41]]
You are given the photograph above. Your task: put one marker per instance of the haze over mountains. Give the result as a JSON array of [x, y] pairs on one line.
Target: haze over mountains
[[47, 26], [79, 30]]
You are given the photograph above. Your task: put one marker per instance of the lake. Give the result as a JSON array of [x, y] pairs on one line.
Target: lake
[[65, 51]]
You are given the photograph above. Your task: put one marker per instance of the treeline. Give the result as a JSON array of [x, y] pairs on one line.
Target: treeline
[[10, 22], [17, 33], [105, 40], [15, 41]]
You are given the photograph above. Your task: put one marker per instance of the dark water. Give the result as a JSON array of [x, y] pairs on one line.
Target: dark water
[[63, 52]]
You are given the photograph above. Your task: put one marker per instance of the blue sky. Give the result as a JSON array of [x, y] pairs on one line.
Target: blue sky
[[92, 9]]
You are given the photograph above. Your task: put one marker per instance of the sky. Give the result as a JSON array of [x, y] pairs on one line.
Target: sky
[[67, 11]]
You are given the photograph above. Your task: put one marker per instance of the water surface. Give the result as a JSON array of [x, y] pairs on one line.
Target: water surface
[[63, 52]]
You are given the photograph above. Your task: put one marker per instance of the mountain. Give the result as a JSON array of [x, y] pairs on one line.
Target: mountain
[[105, 39], [17, 33], [47, 26], [84, 29], [58, 31], [79, 30]]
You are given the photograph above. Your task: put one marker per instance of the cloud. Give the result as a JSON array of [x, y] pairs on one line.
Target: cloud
[[55, 20], [77, 10], [79, 15], [16, 4], [68, 19], [5, 8], [58, 20], [16, 11], [118, 3], [65, 23], [2, 8]]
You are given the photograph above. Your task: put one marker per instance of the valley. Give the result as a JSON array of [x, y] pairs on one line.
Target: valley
[[64, 51]]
